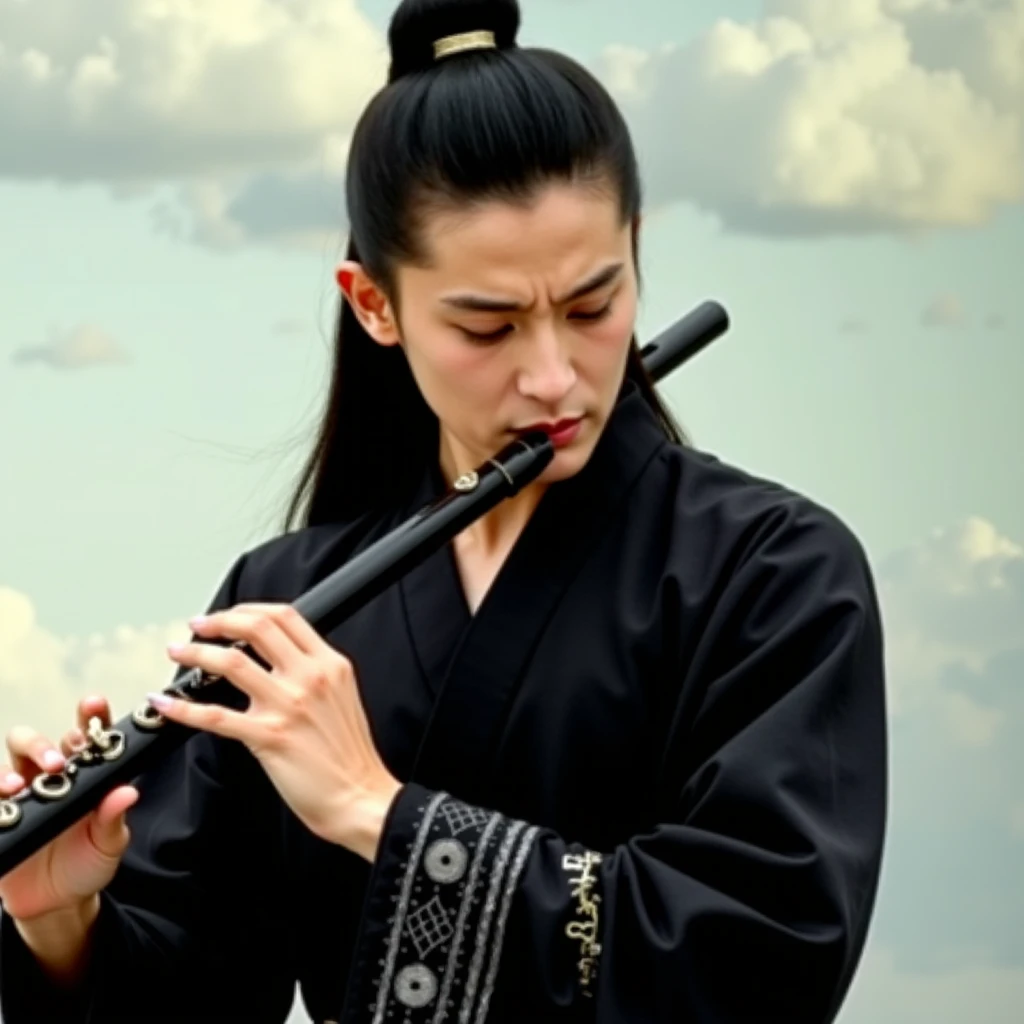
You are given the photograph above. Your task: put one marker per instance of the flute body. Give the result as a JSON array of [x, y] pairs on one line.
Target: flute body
[[118, 754]]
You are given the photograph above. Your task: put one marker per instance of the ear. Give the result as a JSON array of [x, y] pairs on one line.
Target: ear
[[368, 302]]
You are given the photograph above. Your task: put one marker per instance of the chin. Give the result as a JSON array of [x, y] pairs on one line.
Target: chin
[[566, 463]]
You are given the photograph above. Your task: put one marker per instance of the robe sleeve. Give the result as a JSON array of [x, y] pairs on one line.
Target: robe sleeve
[[747, 899], [188, 928]]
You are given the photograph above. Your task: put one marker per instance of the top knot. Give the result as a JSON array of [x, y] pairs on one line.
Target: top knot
[[425, 32]]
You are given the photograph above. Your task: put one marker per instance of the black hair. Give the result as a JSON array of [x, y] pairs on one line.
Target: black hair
[[491, 123]]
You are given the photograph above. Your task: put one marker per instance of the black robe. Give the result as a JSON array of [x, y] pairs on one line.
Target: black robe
[[645, 782]]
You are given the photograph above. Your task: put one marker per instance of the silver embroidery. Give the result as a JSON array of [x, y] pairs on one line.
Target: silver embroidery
[[506, 904], [429, 926], [484, 928], [415, 985], [461, 817], [403, 905], [468, 898], [446, 861]]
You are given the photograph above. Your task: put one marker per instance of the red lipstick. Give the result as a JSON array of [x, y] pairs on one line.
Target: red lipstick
[[562, 433]]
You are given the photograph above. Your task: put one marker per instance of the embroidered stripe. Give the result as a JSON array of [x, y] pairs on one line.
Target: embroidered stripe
[[403, 905], [485, 921], [455, 891], [464, 909], [506, 903]]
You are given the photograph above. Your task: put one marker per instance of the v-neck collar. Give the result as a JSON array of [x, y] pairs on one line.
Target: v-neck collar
[[473, 663]]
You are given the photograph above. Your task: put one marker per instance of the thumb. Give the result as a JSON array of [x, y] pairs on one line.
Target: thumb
[[108, 829]]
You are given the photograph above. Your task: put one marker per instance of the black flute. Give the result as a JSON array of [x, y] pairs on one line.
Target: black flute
[[118, 754]]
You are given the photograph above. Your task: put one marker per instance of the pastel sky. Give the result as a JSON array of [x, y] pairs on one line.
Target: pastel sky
[[845, 176]]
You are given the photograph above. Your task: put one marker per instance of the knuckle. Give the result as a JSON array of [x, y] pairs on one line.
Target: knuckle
[[234, 659], [286, 613], [275, 732], [318, 679], [298, 701], [214, 715], [262, 625]]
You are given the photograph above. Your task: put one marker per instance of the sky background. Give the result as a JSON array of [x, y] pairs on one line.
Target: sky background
[[845, 176]]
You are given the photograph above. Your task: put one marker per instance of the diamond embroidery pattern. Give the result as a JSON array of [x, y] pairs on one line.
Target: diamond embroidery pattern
[[460, 817], [429, 926]]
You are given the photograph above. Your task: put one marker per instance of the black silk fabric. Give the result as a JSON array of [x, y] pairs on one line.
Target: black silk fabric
[[645, 782]]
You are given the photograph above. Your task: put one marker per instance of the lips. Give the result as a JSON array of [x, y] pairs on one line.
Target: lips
[[552, 428]]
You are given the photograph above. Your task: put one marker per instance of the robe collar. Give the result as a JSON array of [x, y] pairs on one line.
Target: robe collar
[[473, 663]]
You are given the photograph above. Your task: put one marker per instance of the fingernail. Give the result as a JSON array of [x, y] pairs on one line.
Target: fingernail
[[175, 648], [53, 761], [77, 737], [198, 621], [13, 781], [159, 701]]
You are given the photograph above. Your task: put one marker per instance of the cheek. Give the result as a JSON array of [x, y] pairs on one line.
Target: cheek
[[608, 341], [455, 376]]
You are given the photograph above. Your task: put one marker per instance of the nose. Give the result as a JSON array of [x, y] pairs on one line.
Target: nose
[[548, 374]]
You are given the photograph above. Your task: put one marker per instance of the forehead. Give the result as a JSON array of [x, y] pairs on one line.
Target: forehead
[[563, 230]]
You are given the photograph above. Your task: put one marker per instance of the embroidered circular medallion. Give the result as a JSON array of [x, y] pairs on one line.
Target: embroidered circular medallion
[[415, 985], [445, 860]]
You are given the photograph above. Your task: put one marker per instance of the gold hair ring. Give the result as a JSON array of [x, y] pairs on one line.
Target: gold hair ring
[[464, 41]]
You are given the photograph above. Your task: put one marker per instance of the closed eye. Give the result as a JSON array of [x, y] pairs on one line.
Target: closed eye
[[599, 314], [493, 336]]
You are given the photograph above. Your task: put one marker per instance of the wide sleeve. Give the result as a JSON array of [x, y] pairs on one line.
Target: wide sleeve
[[747, 899], [189, 928]]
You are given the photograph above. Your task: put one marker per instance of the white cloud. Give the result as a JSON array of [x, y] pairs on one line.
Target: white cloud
[[836, 115], [136, 91], [42, 676], [957, 598], [953, 608], [820, 116], [82, 347]]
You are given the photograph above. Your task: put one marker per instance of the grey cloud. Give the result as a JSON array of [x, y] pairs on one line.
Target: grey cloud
[[944, 311], [854, 324], [81, 348]]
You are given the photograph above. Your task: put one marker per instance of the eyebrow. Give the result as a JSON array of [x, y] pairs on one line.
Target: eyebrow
[[483, 304]]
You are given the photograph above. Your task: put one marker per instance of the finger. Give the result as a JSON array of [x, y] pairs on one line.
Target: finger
[[93, 707], [233, 664], [215, 718], [10, 781], [293, 625], [108, 829], [274, 631], [31, 752], [72, 741]]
